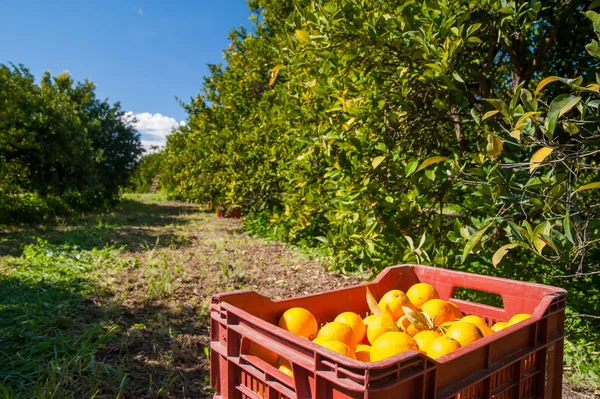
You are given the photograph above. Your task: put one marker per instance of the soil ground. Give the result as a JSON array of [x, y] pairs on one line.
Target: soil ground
[[178, 257]]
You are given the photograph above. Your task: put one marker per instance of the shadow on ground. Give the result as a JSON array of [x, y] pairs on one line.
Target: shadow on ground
[[135, 225]]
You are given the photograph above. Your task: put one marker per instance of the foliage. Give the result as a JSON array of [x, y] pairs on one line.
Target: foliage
[[57, 140], [142, 177], [387, 132]]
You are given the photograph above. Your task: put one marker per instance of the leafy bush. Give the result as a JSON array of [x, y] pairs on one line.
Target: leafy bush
[[58, 141], [143, 175]]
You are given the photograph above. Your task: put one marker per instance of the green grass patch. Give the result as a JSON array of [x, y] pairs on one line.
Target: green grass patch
[[50, 331]]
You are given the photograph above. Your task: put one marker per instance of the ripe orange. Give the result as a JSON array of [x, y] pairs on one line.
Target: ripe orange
[[299, 321], [285, 367], [263, 353], [457, 312], [479, 322], [363, 353], [375, 329], [421, 293], [340, 348], [367, 320], [518, 318], [439, 310], [442, 346], [356, 323], [464, 332], [395, 299], [425, 338], [336, 331], [391, 344], [501, 325]]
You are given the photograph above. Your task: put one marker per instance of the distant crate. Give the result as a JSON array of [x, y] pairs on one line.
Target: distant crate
[[520, 361]]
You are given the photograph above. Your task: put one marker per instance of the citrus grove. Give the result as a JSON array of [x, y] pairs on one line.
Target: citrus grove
[[418, 320], [459, 134]]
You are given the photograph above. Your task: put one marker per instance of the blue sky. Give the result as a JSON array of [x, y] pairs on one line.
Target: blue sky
[[142, 53]]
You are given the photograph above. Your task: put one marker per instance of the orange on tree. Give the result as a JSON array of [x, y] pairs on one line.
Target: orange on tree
[[336, 331], [340, 348], [421, 293], [479, 322], [464, 332], [425, 338], [439, 310], [394, 300], [442, 346], [501, 325], [363, 353], [263, 353], [355, 322], [518, 318], [391, 344], [299, 321], [375, 329]]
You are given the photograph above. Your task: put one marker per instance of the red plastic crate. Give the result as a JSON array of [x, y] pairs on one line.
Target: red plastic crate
[[521, 361]]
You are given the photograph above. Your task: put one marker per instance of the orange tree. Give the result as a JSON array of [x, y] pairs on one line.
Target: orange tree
[[385, 132]]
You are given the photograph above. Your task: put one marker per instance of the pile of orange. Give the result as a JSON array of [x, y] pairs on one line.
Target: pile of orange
[[417, 320]]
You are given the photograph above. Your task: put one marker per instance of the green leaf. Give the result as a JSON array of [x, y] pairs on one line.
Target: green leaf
[[475, 117], [274, 72], [545, 82], [473, 241], [411, 167], [499, 105], [457, 77], [431, 161], [435, 67], [499, 254], [377, 161], [589, 186], [538, 241], [567, 228], [489, 114], [558, 107], [539, 156], [593, 16]]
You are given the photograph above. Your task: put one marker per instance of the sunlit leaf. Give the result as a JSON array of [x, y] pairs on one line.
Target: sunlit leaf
[[416, 318], [373, 305], [377, 161], [303, 35], [430, 161], [489, 114], [473, 241], [589, 186], [545, 82], [387, 320], [539, 156], [494, 145], [558, 107], [499, 254]]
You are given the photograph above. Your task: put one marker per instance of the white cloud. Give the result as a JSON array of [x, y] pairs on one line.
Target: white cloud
[[154, 127]]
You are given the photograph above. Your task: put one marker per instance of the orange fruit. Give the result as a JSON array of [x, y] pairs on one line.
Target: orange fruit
[[518, 318], [501, 325], [479, 322], [421, 293], [425, 338], [367, 320], [336, 331], [464, 332], [439, 310], [285, 367], [299, 321], [412, 330], [356, 323], [375, 329], [457, 312], [391, 344], [442, 346], [263, 353], [394, 300], [363, 353], [340, 347]]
